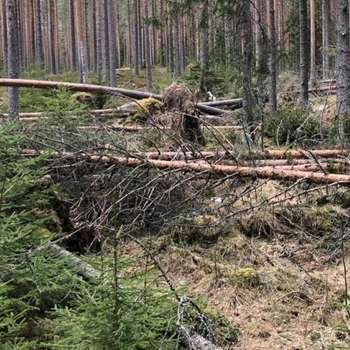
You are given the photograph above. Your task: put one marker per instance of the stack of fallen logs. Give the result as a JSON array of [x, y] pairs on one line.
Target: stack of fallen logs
[[318, 166]]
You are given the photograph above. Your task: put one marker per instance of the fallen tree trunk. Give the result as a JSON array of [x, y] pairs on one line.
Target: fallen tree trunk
[[323, 89], [235, 103], [258, 172], [285, 156], [96, 89], [136, 129], [316, 167], [120, 112], [79, 266], [31, 117]]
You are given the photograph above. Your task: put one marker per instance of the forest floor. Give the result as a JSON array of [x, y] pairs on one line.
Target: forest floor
[[281, 284], [277, 274]]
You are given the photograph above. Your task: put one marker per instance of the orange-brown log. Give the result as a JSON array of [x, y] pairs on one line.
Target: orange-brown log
[[263, 172], [259, 172], [284, 155]]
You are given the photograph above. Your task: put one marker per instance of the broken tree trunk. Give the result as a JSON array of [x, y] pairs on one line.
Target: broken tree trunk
[[96, 89], [79, 266]]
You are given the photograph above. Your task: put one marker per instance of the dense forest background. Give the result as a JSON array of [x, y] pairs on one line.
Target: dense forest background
[[98, 36]]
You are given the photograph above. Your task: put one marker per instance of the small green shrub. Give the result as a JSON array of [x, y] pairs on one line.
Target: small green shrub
[[218, 81], [292, 125]]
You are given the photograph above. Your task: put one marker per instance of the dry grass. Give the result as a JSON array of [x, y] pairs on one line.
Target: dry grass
[[283, 290]]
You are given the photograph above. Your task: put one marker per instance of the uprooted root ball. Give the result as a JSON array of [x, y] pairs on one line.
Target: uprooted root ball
[[179, 101]]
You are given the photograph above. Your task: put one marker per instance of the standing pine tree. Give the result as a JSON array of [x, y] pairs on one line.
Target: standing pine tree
[[304, 53], [342, 62], [13, 56]]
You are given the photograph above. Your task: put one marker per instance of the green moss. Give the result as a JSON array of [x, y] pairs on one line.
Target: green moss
[[146, 108], [320, 219], [245, 277]]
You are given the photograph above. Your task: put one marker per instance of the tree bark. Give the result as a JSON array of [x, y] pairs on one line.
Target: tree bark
[[313, 42], [112, 25], [342, 63], [304, 53], [13, 56], [325, 38], [136, 38], [273, 56], [204, 46], [148, 49], [247, 50], [81, 43]]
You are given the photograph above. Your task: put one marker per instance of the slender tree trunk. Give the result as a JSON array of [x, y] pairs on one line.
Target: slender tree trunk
[[4, 35], [325, 38], [136, 39], [273, 56], [204, 46], [99, 38], [260, 38], [342, 63], [81, 49], [247, 50], [313, 42], [13, 56], [177, 44], [148, 49], [112, 25], [304, 53]]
